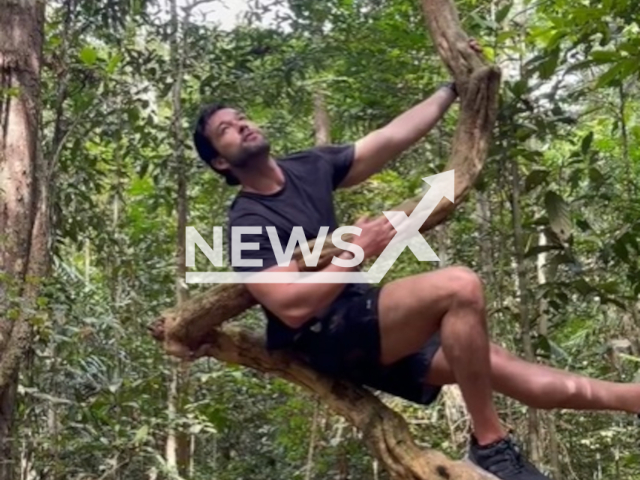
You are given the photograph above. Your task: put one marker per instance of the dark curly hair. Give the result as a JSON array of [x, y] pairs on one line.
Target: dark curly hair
[[206, 151]]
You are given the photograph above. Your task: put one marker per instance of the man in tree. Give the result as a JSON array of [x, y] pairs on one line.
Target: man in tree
[[407, 338]]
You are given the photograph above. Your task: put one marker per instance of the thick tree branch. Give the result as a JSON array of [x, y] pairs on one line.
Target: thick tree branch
[[384, 431]]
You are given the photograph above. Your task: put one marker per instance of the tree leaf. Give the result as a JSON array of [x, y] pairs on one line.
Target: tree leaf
[[632, 242], [632, 358], [621, 251], [542, 344], [606, 299], [133, 114], [506, 35], [607, 78], [113, 63], [595, 176], [586, 142], [611, 287], [558, 352], [620, 71], [141, 434], [503, 12], [88, 55], [582, 286], [547, 68], [535, 178], [559, 217], [583, 225], [484, 22], [604, 56], [555, 38], [518, 88]]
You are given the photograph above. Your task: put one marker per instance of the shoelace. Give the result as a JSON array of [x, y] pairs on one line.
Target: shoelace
[[509, 459]]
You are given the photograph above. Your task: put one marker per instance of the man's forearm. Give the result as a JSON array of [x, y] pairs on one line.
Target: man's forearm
[[309, 299], [295, 303], [381, 146], [415, 123]]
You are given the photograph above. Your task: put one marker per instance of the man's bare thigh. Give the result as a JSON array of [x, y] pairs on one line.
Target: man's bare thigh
[[411, 310]]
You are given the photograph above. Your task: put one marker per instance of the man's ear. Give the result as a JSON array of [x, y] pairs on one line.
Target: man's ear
[[220, 163]]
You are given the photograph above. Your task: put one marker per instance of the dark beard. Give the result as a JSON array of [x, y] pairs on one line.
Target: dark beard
[[250, 153]]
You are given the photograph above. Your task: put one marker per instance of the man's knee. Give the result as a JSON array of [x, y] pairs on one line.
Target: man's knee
[[466, 287]]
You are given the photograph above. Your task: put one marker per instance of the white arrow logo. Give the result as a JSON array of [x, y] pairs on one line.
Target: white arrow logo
[[408, 228]]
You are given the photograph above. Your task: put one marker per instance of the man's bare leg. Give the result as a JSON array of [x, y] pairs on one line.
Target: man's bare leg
[[450, 300], [544, 387]]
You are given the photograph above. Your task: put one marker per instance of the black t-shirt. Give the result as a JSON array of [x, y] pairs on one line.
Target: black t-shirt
[[305, 200]]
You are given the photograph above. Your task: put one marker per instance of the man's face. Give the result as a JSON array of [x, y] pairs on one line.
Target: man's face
[[238, 140]]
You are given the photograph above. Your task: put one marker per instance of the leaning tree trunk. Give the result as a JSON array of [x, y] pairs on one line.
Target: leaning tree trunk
[[24, 216], [195, 328]]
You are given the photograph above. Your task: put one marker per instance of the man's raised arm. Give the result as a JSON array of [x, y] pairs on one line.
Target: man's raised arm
[[385, 144]]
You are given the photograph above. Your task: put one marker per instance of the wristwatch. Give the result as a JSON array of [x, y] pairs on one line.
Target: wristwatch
[[451, 86]]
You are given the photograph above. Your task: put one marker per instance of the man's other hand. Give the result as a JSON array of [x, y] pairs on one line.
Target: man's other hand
[[375, 236], [475, 46]]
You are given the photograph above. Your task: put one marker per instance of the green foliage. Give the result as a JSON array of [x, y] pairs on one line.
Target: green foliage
[[93, 398]]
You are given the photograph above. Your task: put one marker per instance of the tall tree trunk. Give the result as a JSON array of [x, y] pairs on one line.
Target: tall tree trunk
[[543, 330], [455, 409], [178, 443], [115, 279], [27, 454], [313, 440], [483, 213], [321, 123], [624, 140], [513, 70], [53, 149], [7, 408], [24, 213], [634, 304], [322, 135], [524, 302]]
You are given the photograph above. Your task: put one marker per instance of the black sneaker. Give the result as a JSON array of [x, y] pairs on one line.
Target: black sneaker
[[504, 460]]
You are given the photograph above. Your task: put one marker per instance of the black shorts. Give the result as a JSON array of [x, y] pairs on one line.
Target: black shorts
[[345, 343]]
